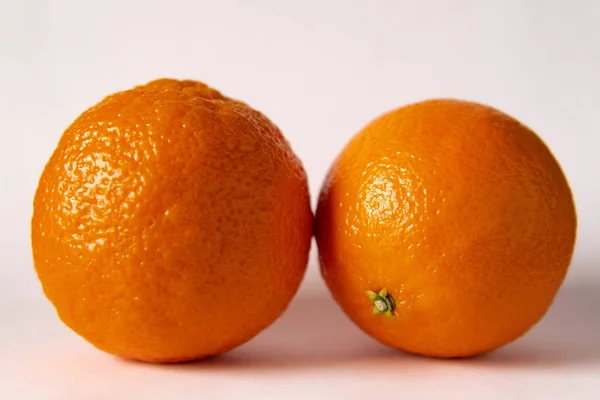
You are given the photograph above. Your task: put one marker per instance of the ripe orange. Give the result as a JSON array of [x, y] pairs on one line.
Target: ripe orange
[[452, 219], [171, 223]]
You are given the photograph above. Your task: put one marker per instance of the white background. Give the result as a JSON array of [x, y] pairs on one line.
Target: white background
[[320, 70]]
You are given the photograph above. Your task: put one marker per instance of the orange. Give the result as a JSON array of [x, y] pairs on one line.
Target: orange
[[171, 223], [445, 228]]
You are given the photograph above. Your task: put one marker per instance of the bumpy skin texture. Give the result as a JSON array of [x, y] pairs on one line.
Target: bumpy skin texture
[[171, 223], [461, 213]]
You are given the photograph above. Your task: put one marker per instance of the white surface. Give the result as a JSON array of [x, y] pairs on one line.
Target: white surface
[[320, 70]]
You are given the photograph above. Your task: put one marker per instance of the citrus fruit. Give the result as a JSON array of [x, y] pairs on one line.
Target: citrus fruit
[[171, 223], [445, 228]]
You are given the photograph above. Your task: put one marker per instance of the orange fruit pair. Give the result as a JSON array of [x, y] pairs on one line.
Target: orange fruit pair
[[172, 223]]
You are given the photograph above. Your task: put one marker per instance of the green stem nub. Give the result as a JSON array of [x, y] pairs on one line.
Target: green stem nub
[[383, 303]]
